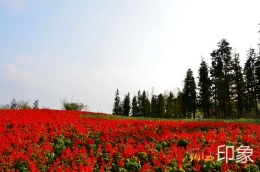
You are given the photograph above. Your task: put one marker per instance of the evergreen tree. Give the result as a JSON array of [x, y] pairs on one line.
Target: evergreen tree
[[116, 107], [170, 105], [250, 78], [189, 94], [121, 108], [257, 75], [148, 107], [154, 110], [204, 88], [215, 74], [139, 104], [221, 73], [126, 105], [134, 107], [145, 105], [178, 103], [161, 106], [225, 54], [238, 85], [257, 71]]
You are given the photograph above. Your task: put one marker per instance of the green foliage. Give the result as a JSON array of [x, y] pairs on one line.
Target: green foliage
[[116, 108], [221, 73], [257, 74], [154, 106], [145, 105], [252, 167], [126, 105], [24, 105], [134, 107], [182, 142], [204, 89], [36, 104], [121, 106], [14, 104], [50, 157], [238, 88], [73, 105], [170, 105], [139, 104], [251, 83], [20, 165], [131, 164], [189, 94], [59, 143], [160, 106]]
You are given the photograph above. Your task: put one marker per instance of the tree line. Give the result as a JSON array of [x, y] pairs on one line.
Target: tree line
[[224, 89]]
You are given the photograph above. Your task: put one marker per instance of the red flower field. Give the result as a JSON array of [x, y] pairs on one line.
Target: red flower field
[[57, 140]]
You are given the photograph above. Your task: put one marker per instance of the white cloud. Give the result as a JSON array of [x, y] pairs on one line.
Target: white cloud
[[28, 60], [10, 74], [25, 60]]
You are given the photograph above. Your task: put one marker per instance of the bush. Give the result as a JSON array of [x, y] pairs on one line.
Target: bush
[[24, 105], [36, 104], [73, 105], [17, 105]]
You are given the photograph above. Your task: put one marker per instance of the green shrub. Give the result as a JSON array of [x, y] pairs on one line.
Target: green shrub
[[36, 104], [73, 105], [24, 105], [17, 105]]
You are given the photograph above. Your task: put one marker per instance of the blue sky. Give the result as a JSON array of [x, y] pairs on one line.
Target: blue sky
[[85, 50]]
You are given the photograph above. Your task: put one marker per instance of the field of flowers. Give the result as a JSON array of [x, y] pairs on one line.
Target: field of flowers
[[57, 140]]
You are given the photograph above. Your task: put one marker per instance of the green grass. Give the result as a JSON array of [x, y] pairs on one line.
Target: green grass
[[183, 119], [120, 117]]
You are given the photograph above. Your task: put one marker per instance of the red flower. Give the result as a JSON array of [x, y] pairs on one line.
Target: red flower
[[224, 167], [121, 163]]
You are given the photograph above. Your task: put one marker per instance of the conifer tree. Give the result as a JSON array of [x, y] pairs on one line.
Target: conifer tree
[[215, 74], [148, 107], [170, 105], [257, 71], [257, 75], [238, 84], [221, 73], [145, 105], [250, 78], [161, 106], [134, 107], [126, 105], [225, 54], [139, 104], [189, 94], [178, 103], [154, 111], [116, 107], [121, 108], [204, 88]]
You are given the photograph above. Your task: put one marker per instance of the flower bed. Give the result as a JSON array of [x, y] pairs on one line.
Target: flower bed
[[57, 140]]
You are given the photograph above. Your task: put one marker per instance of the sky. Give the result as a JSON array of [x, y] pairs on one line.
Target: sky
[[85, 50]]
